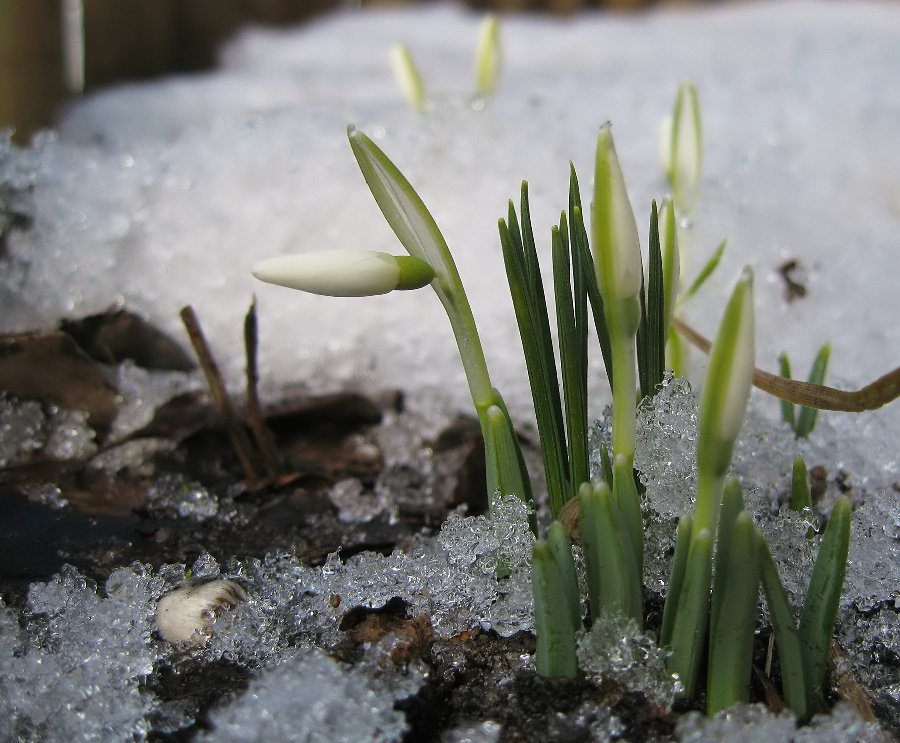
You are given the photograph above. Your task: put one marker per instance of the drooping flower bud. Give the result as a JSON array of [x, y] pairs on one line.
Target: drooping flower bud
[[345, 273]]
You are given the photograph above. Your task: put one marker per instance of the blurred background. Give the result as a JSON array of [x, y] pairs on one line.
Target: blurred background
[[53, 49]]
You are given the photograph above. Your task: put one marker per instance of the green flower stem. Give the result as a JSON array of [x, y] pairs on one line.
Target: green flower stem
[[733, 615], [628, 504], [617, 256], [823, 596], [417, 231], [790, 650]]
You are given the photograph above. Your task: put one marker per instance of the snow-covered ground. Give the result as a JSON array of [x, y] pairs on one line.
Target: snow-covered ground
[[166, 193]]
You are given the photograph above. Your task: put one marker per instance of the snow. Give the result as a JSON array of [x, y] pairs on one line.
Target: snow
[[166, 193]]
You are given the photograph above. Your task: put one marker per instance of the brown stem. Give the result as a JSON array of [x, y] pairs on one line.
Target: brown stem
[[255, 418], [879, 393], [240, 442]]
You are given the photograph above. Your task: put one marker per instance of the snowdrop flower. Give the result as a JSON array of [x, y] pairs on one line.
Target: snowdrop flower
[[617, 248], [729, 376], [345, 273], [681, 147]]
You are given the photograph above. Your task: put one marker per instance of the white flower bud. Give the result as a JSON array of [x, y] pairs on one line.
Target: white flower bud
[[726, 389], [683, 143], [407, 76], [345, 273], [617, 248], [487, 56]]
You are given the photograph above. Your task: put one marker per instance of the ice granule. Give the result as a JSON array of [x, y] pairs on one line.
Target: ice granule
[[309, 698], [614, 648], [480, 732], [354, 504], [452, 579], [873, 570], [749, 723], [741, 723], [173, 495], [26, 428], [793, 553], [665, 451], [143, 391], [79, 665]]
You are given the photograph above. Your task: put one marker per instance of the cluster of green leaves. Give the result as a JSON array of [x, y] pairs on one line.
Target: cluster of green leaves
[[800, 418], [709, 612]]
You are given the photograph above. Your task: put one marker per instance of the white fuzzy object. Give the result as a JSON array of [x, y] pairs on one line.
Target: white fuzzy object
[[186, 615]]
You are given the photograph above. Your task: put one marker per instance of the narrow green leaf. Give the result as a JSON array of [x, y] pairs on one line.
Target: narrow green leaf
[[734, 616], [572, 359], [676, 578], [787, 637], [651, 337], [788, 412], [561, 546], [691, 616], [706, 271], [578, 238], [801, 497], [525, 284], [806, 419], [555, 655], [824, 594]]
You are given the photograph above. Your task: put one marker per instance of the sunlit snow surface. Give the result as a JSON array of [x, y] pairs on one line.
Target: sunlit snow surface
[[165, 194]]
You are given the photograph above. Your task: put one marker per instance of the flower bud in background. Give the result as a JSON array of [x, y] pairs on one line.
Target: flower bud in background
[[487, 56], [407, 76], [345, 273], [681, 148]]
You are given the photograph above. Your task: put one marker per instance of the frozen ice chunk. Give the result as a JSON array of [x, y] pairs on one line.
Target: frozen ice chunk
[[175, 496], [27, 428], [309, 699], [615, 648], [143, 391], [873, 571], [749, 723], [77, 670], [665, 453]]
